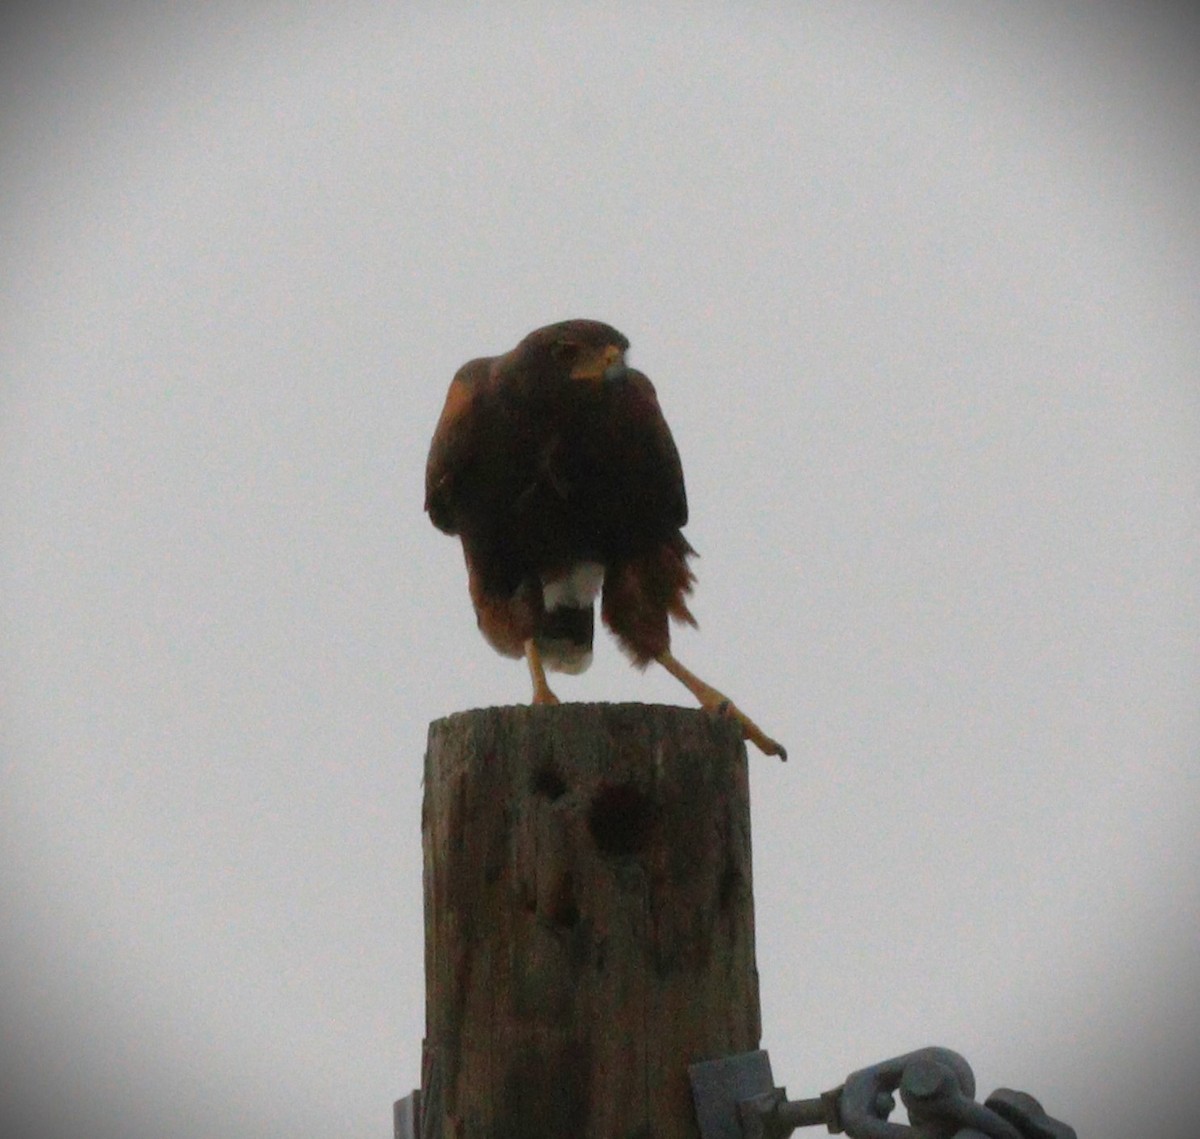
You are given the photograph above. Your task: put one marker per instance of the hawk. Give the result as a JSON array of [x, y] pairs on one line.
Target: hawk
[[555, 467]]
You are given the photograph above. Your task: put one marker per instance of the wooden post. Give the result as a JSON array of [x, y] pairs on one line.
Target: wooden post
[[589, 923]]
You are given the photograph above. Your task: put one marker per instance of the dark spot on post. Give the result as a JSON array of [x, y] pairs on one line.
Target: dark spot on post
[[495, 862], [621, 819], [727, 888], [548, 783], [563, 910], [545, 1092]]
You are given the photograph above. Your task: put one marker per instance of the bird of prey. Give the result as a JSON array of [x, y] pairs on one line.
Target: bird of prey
[[555, 467]]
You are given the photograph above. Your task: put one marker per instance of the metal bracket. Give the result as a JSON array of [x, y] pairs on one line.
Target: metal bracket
[[736, 1098], [719, 1086], [406, 1117]]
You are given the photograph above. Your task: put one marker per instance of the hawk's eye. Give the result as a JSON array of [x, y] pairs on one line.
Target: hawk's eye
[[564, 351]]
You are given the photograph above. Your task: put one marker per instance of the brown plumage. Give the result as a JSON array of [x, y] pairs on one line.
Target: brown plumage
[[554, 465]]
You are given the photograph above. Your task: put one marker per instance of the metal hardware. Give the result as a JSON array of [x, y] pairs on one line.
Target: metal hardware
[[406, 1117], [736, 1098], [1027, 1115]]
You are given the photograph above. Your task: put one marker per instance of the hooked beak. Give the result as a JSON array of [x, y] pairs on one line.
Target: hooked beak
[[606, 364], [616, 371]]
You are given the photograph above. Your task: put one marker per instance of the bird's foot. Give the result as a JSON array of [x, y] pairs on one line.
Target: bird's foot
[[719, 704], [726, 709]]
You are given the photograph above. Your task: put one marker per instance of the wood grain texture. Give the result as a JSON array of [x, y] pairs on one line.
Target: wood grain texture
[[589, 923]]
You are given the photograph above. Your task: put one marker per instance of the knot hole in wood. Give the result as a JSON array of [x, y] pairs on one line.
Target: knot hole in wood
[[621, 819]]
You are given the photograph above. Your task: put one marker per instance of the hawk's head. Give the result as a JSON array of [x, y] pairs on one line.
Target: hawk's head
[[579, 349]]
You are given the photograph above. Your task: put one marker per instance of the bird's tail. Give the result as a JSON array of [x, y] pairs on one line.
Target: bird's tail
[[565, 631]]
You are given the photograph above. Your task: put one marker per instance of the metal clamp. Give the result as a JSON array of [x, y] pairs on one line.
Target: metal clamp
[[736, 1098]]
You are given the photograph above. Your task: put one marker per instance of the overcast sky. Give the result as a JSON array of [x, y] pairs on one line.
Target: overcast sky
[[919, 286]]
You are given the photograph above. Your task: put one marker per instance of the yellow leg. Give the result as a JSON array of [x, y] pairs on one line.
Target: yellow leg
[[714, 701], [541, 690]]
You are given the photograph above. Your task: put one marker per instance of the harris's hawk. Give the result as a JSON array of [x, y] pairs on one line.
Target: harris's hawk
[[554, 465]]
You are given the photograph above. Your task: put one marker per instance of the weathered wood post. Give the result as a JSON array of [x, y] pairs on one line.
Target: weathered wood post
[[589, 923]]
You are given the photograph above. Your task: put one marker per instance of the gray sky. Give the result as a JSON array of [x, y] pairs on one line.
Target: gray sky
[[919, 286]]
